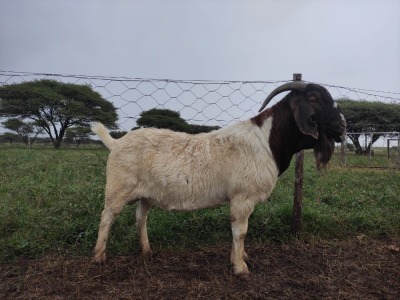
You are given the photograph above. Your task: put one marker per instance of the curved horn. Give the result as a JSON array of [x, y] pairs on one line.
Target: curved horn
[[289, 86]]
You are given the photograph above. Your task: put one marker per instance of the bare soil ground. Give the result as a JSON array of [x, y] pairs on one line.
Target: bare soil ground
[[358, 268]]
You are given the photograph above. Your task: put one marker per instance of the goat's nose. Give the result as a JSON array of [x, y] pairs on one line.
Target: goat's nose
[[342, 118], [342, 121]]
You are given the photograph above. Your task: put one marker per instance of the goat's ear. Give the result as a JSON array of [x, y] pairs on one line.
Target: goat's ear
[[302, 113]]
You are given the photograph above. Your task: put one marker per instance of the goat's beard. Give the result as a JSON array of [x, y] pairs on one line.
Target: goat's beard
[[323, 151]]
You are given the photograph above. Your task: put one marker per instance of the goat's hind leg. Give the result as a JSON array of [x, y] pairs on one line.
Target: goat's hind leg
[[107, 219], [143, 207], [112, 208]]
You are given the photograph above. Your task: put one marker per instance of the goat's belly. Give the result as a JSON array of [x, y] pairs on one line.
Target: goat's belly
[[187, 204], [185, 192]]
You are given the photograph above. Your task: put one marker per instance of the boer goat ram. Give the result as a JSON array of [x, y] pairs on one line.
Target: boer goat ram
[[239, 164]]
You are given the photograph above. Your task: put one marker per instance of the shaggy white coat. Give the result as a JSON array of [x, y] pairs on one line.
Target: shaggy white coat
[[179, 171]]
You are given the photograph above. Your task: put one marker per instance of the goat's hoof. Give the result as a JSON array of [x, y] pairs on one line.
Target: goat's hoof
[[99, 259], [243, 276], [147, 255]]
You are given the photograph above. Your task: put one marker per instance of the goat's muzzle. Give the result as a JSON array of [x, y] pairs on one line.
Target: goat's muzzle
[[342, 126], [337, 129]]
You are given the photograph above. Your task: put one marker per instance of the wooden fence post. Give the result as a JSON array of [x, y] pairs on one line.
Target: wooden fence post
[[298, 184]]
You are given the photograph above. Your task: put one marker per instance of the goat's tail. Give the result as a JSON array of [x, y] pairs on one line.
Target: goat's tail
[[103, 134]]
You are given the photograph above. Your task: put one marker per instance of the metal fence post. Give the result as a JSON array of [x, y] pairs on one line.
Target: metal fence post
[[398, 150], [370, 148], [298, 184], [343, 146]]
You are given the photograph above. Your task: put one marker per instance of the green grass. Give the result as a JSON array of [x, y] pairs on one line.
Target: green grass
[[51, 200], [378, 160]]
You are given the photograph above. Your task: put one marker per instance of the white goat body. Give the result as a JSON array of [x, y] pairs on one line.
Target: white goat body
[[179, 171]]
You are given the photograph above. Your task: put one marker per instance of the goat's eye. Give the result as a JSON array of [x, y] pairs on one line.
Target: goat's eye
[[312, 99]]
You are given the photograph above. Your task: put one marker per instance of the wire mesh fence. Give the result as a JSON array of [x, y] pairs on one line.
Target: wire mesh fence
[[201, 102], [198, 101]]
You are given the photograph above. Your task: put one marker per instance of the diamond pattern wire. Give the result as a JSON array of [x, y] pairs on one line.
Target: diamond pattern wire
[[199, 102]]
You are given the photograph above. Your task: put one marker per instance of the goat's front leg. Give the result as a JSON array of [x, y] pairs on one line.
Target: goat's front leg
[[240, 212], [142, 210]]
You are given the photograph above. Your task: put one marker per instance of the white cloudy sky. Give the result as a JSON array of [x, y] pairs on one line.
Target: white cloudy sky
[[353, 43]]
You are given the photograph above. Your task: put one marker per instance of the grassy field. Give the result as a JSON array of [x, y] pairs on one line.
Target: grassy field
[[51, 200], [378, 160]]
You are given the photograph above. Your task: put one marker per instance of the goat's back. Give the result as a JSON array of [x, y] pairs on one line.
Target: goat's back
[[185, 172]]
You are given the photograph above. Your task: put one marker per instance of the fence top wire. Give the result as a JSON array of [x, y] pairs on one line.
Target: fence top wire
[[203, 102], [121, 78], [133, 79]]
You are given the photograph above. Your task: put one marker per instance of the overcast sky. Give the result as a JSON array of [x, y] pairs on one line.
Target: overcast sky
[[354, 43]]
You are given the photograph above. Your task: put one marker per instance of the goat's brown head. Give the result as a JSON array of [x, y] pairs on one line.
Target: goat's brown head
[[317, 116]]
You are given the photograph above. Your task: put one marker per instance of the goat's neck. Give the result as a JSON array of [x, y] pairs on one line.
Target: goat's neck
[[285, 138]]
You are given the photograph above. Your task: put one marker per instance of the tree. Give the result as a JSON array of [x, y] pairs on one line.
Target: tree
[[166, 118], [9, 137], [369, 117], [117, 134], [202, 128], [163, 118], [78, 134], [23, 129], [56, 106]]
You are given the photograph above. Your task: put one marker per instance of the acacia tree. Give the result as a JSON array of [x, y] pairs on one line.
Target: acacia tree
[[9, 137], [56, 106], [117, 134], [78, 134], [163, 118], [166, 118], [27, 131], [369, 117]]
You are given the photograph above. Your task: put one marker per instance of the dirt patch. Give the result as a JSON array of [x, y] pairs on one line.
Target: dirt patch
[[359, 268]]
